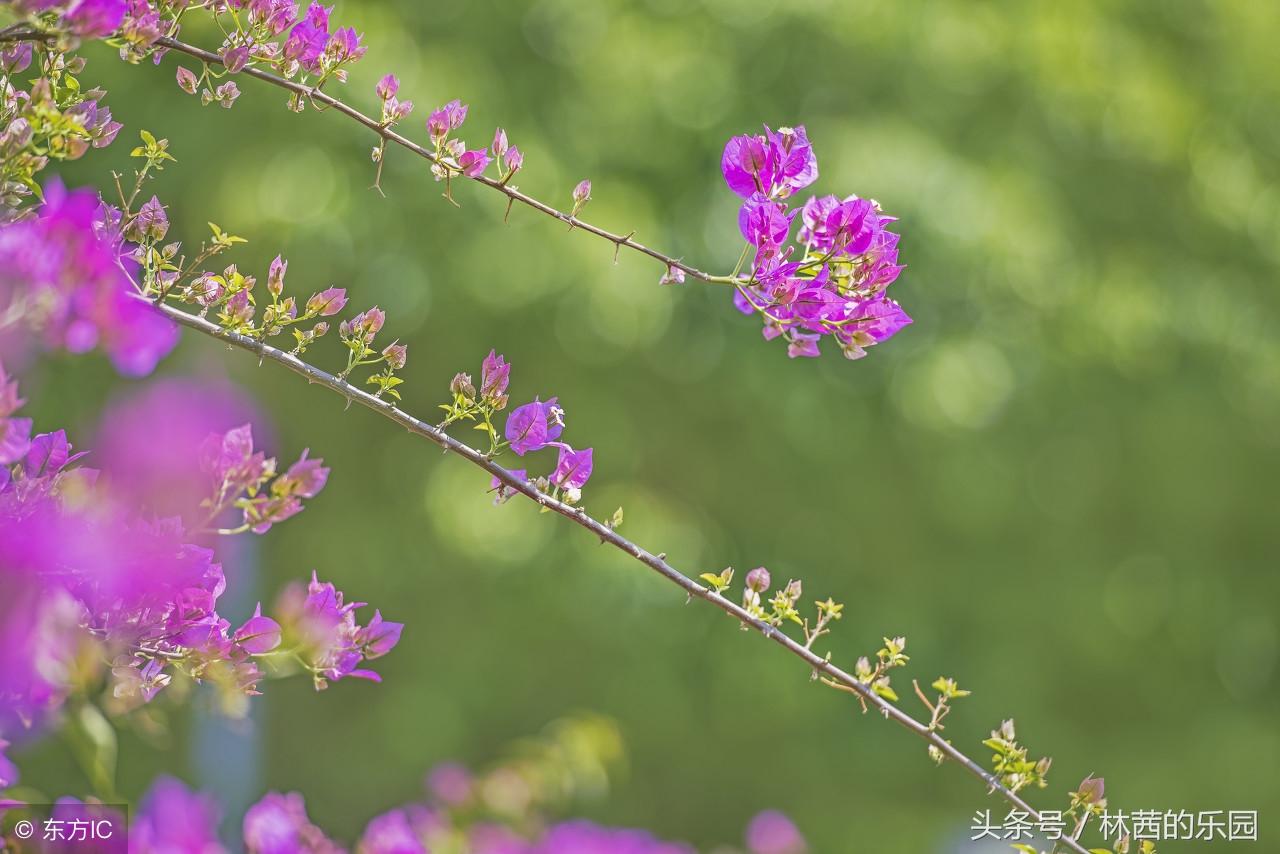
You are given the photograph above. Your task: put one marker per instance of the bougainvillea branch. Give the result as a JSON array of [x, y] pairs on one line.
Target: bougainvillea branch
[[383, 130], [834, 286], [390, 135], [820, 666]]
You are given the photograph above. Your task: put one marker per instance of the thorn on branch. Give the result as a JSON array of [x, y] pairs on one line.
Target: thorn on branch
[[617, 244]]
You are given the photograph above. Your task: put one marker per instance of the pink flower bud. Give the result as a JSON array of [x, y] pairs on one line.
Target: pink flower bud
[[275, 276], [227, 93], [187, 80], [758, 579], [462, 387], [234, 58], [396, 355], [328, 302], [500, 146], [673, 276], [515, 160], [582, 192], [387, 87]]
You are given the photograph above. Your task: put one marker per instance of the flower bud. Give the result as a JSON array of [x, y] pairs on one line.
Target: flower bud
[[275, 276], [371, 321], [1092, 790], [149, 223], [234, 58], [581, 195], [758, 580], [15, 57], [397, 110], [328, 302], [514, 159], [447, 118], [238, 308], [495, 374], [462, 387], [792, 590], [227, 93], [500, 146], [396, 354], [387, 87], [673, 276]]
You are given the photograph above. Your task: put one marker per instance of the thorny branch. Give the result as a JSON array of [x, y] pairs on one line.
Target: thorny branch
[[656, 562], [382, 130]]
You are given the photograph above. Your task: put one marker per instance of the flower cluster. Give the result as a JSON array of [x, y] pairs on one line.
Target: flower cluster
[[246, 479], [322, 632], [71, 289], [848, 256], [88, 584], [294, 43], [452, 157], [83, 18], [47, 117], [531, 427]]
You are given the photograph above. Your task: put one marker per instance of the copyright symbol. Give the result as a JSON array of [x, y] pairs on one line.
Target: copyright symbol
[[24, 829]]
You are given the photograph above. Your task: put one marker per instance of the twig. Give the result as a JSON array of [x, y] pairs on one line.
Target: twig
[[576, 223], [606, 534]]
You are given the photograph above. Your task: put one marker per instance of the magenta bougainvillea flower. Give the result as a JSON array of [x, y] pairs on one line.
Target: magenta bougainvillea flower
[[495, 375], [278, 824], [401, 831], [323, 627], [8, 771], [238, 477], [774, 165], [448, 118], [95, 18], [78, 295], [84, 567], [533, 426], [847, 256], [573, 468], [474, 162], [171, 817], [771, 832], [309, 38], [15, 433]]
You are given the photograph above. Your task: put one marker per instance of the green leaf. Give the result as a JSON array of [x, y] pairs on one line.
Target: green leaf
[[1024, 848], [148, 138]]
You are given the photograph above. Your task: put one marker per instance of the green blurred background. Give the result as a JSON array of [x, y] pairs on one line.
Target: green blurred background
[[1059, 484]]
